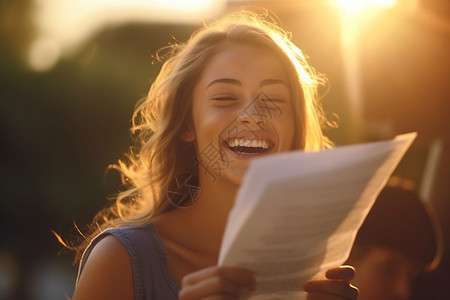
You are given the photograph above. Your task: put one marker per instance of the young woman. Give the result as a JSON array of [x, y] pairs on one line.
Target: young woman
[[236, 90]]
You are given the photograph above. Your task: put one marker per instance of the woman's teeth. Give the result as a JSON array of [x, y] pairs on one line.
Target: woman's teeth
[[245, 145]]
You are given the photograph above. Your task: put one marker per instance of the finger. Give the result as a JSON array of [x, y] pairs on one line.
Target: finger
[[198, 276], [216, 281], [320, 296], [238, 275], [210, 287], [343, 273], [234, 274], [332, 288], [213, 288], [220, 297]]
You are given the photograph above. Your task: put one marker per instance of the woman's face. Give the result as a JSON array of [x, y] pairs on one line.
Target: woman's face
[[242, 109]]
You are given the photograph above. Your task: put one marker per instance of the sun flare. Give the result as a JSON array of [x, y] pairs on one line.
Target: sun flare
[[350, 7]]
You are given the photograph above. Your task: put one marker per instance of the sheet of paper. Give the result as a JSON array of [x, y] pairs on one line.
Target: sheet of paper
[[297, 213]]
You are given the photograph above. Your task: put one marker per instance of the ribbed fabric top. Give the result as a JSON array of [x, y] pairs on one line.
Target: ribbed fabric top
[[151, 277]]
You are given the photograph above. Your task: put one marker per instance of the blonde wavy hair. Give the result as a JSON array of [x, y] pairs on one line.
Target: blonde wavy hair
[[164, 116]]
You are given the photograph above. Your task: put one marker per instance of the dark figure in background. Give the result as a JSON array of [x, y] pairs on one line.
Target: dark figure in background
[[398, 240]]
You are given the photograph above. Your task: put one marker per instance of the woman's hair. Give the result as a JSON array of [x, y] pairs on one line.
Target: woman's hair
[[159, 121]]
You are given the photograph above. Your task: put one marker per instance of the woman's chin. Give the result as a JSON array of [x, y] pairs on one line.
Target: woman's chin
[[236, 173]]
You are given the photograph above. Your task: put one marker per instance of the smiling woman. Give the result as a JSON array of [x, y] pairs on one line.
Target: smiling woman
[[238, 89]]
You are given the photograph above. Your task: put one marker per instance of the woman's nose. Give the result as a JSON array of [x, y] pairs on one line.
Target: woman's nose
[[253, 113], [251, 118]]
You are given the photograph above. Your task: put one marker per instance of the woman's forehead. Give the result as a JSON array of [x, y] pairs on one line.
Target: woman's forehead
[[238, 61]]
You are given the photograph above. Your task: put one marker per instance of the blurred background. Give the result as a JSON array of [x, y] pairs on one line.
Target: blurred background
[[71, 73]]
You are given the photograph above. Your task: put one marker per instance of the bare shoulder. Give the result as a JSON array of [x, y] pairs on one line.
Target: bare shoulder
[[107, 273]]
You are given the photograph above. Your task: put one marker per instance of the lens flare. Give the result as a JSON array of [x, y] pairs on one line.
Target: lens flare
[[350, 7]]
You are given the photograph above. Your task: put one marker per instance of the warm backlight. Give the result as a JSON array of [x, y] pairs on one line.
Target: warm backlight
[[356, 6]]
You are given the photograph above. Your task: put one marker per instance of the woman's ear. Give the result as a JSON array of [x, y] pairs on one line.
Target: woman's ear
[[188, 136]]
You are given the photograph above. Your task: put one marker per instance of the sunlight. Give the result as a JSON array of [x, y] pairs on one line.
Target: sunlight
[[63, 25], [44, 53], [350, 7], [356, 15]]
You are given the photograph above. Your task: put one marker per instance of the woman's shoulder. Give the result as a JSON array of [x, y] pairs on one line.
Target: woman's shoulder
[[136, 243], [139, 259], [130, 235], [107, 273], [143, 242]]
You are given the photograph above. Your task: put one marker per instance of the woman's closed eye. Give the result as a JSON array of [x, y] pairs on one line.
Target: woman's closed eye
[[225, 98]]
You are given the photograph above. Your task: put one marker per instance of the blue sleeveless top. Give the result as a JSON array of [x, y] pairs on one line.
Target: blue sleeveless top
[[151, 277]]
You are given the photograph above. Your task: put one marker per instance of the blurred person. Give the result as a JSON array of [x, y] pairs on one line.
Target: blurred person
[[398, 240], [238, 89]]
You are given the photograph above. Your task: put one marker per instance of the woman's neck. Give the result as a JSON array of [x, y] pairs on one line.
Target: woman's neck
[[200, 227], [193, 235]]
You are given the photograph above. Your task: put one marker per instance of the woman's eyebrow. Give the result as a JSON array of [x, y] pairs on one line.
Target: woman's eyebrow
[[270, 81], [237, 82], [225, 80]]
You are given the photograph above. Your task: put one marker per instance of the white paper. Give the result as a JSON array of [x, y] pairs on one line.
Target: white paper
[[297, 213]]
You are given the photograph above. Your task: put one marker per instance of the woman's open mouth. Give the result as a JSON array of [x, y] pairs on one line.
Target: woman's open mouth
[[248, 146]]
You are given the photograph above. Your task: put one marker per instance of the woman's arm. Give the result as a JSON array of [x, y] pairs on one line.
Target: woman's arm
[[107, 274]]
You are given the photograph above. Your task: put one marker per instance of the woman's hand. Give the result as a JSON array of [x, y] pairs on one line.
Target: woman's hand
[[216, 283], [337, 287]]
